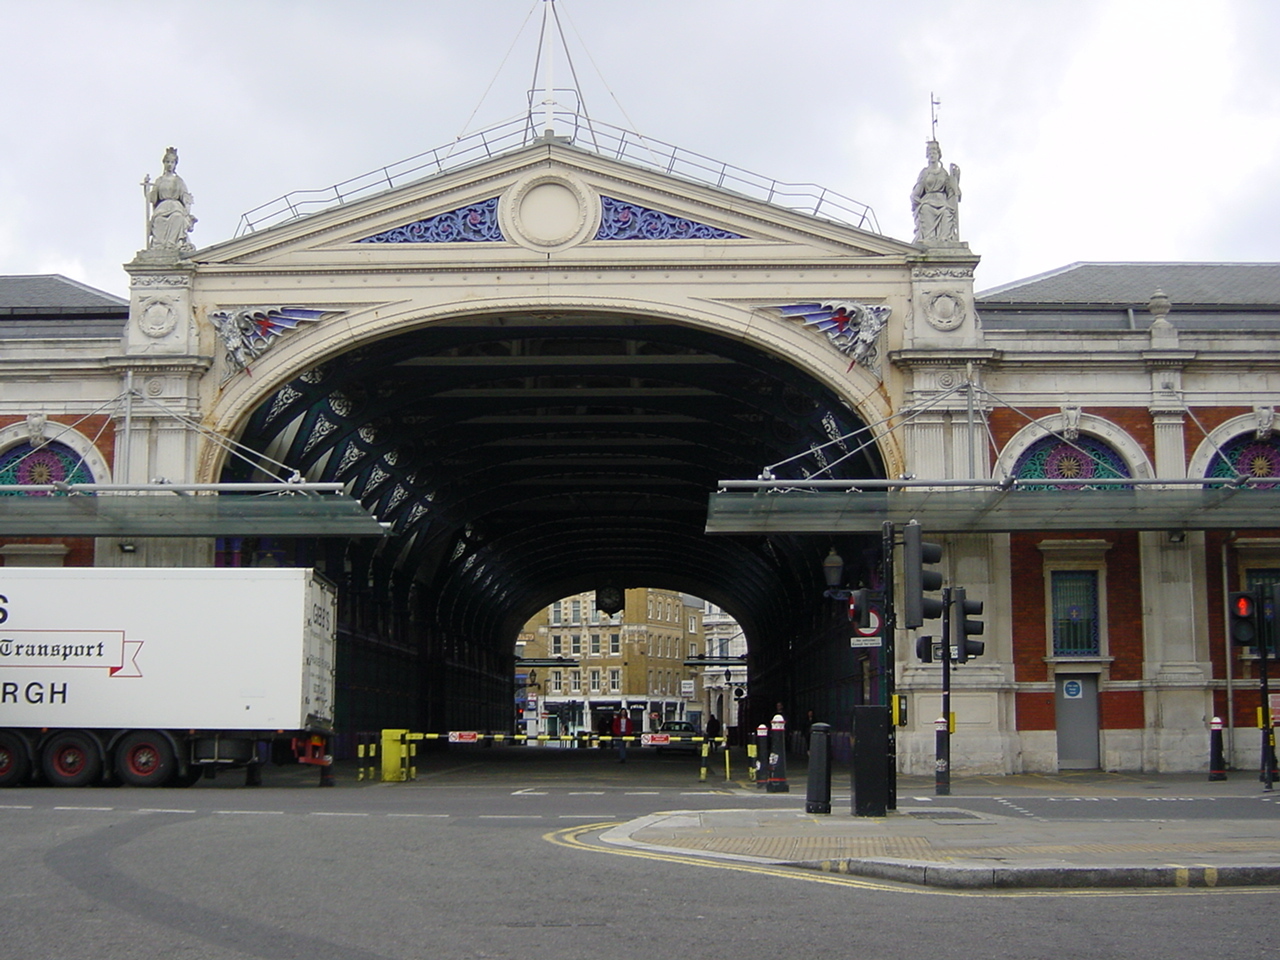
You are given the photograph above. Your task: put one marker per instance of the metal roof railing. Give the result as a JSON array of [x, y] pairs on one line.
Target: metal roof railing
[[585, 133]]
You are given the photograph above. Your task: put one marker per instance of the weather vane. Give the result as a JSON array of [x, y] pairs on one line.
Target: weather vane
[[934, 103]]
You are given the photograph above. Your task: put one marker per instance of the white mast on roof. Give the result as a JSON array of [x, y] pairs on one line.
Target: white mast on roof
[[549, 95]]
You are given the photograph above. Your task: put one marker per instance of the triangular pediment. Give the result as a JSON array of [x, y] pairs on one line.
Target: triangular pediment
[[552, 199]]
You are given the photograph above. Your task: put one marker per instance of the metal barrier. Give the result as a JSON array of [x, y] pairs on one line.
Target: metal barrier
[[366, 756], [399, 748]]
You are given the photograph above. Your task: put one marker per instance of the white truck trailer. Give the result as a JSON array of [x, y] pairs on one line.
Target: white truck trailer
[[149, 676]]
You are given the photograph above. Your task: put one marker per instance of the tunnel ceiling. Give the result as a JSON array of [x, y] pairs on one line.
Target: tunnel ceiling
[[520, 458]]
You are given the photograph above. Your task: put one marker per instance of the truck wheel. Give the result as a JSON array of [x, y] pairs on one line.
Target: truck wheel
[[14, 765], [71, 759], [144, 759]]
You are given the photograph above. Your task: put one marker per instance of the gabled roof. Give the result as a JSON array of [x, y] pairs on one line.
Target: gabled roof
[[1132, 284], [331, 233], [45, 306], [52, 292]]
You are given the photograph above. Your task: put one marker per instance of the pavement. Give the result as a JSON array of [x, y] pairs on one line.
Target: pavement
[[999, 833]]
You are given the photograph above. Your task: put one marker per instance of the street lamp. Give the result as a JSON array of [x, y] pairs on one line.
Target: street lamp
[[833, 571]]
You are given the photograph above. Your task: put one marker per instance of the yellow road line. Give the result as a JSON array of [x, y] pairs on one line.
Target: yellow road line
[[570, 837]]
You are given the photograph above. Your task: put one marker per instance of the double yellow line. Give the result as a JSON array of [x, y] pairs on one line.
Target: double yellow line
[[573, 838]]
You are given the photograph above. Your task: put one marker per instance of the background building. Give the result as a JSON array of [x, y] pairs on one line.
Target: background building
[[631, 662]]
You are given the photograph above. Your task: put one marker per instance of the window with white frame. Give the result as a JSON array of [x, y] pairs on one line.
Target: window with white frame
[[615, 679], [575, 681], [557, 681], [557, 646], [595, 644], [615, 643], [595, 679]]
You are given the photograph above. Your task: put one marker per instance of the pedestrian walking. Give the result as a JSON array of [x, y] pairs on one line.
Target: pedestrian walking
[[713, 730]]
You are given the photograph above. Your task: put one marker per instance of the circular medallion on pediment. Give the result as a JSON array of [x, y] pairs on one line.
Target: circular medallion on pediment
[[549, 211], [157, 318], [944, 311]]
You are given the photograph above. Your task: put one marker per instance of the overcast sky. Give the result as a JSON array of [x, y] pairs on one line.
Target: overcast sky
[[1085, 129]]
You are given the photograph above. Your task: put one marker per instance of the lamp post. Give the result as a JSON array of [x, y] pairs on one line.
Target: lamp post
[[875, 746]]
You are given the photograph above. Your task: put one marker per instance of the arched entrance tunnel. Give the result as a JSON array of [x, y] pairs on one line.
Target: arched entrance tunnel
[[519, 458]]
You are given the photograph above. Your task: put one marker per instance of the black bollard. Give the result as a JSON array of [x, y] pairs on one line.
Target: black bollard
[[762, 757], [1217, 762], [870, 761], [777, 782], [817, 797], [942, 762]]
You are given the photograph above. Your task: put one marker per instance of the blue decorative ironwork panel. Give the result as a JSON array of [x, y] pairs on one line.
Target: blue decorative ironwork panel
[[51, 462], [1247, 456], [1085, 458], [1075, 613], [477, 223], [626, 221]]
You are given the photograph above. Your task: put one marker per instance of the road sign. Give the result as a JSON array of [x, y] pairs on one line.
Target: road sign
[[463, 736], [857, 641], [654, 739], [871, 631], [1073, 690]]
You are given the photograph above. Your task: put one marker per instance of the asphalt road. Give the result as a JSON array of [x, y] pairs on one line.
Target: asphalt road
[[497, 860]]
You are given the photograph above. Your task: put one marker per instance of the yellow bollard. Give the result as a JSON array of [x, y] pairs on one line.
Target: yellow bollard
[[393, 750], [724, 745], [751, 760]]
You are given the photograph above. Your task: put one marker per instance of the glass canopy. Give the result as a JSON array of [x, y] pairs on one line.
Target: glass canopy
[[993, 510], [86, 510]]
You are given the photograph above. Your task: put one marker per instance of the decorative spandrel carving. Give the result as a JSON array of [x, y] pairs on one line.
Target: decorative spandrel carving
[[249, 332], [477, 223], [627, 221], [169, 221], [853, 328], [935, 200]]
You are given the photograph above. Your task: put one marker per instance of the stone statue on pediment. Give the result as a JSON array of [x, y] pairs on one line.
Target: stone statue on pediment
[[935, 200], [169, 205]]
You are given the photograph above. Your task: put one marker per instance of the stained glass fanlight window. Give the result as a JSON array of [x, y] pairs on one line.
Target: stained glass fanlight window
[[50, 462], [1248, 456], [1084, 458]]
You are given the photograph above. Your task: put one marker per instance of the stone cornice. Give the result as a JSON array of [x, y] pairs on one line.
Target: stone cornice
[[945, 356], [149, 364]]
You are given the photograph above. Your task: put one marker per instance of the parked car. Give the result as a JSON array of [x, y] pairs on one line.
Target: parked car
[[683, 729]]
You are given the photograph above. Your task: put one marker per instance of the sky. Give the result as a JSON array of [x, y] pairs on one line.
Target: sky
[[1112, 130]]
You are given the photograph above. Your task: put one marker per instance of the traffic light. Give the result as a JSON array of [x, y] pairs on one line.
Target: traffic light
[[1243, 607], [917, 608], [860, 608], [962, 628], [924, 649]]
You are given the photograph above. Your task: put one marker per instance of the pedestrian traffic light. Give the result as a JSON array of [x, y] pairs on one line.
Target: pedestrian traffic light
[[962, 628], [924, 649], [917, 608], [1243, 609]]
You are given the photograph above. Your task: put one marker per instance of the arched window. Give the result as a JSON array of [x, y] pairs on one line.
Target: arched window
[[1247, 456], [51, 462], [1085, 458]]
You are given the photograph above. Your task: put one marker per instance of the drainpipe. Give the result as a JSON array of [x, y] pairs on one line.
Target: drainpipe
[[1226, 642]]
